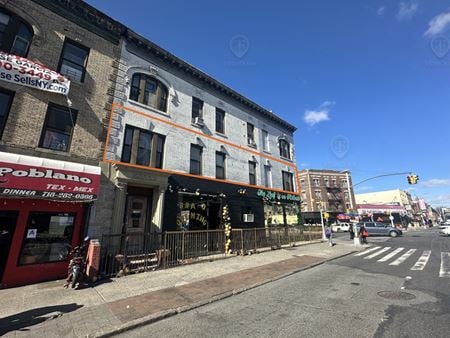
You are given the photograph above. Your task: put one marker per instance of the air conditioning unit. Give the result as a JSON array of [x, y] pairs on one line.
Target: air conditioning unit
[[199, 121], [249, 218]]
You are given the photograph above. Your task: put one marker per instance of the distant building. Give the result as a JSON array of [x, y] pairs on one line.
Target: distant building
[[326, 190], [396, 196]]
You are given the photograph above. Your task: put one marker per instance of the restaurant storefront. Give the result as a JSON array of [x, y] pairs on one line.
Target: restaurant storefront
[[44, 205], [196, 204]]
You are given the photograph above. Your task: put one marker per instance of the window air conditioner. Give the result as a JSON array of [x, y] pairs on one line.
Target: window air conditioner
[[199, 121], [248, 218]]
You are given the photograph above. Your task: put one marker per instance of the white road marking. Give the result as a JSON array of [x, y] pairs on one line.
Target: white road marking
[[403, 258], [445, 265], [378, 253], [368, 251], [390, 255], [422, 261]]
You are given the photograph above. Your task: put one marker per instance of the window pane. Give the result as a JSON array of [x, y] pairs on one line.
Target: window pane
[[252, 172], [71, 70], [5, 104], [75, 54], [58, 129], [127, 143], [159, 151], [197, 107], [4, 20], [48, 237], [220, 121], [144, 147], [55, 140], [196, 159]]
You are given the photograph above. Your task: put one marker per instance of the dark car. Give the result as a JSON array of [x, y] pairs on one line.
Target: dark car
[[380, 229]]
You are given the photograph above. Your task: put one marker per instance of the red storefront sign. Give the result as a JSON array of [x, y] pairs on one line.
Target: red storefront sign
[[21, 177]]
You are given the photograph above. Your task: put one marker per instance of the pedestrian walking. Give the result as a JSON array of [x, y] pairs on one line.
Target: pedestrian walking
[[351, 231], [363, 234], [329, 235]]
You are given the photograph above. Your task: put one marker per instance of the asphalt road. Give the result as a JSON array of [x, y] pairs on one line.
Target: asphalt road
[[374, 294]]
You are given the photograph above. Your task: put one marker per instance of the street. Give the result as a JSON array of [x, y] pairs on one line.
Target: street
[[399, 287]]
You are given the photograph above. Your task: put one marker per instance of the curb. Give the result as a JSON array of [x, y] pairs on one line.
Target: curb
[[172, 312]]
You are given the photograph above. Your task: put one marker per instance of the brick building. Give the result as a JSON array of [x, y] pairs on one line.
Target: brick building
[[45, 44], [326, 190]]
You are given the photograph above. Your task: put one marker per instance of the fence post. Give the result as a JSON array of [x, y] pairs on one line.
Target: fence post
[[255, 240], [182, 246], [242, 241], [165, 254]]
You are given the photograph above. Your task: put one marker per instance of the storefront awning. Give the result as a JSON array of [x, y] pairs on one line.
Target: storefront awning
[[36, 177]]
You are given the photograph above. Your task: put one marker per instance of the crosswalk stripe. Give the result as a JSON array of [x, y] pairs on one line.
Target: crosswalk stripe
[[378, 253], [445, 265], [390, 255], [368, 251], [422, 261], [403, 258]]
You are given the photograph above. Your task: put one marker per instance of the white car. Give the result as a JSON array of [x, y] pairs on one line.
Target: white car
[[444, 230], [339, 227]]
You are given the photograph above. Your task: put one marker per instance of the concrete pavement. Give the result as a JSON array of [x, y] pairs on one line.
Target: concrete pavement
[[48, 309]]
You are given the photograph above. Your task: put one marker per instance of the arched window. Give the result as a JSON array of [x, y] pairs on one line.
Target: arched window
[[285, 150], [15, 34], [149, 91]]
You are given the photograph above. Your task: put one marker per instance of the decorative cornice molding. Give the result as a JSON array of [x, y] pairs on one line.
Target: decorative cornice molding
[[87, 17]]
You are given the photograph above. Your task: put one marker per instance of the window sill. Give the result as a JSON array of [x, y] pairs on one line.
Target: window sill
[[51, 151], [267, 152], [221, 135], [144, 106], [252, 146], [196, 125], [286, 158]]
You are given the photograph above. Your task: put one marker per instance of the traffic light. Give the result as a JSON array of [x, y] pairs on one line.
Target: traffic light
[[413, 178]]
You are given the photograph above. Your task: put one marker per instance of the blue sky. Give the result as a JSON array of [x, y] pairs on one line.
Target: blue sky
[[366, 82]]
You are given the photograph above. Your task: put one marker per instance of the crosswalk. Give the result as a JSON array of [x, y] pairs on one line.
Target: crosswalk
[[399, 256]]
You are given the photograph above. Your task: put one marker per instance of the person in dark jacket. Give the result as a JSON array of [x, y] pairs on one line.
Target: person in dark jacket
[[351, 231], [363, 234]]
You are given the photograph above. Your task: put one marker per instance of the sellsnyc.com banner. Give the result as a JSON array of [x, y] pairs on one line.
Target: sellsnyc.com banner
[[21, 71]]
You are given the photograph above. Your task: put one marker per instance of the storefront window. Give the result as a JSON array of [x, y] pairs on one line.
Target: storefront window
[[192, 214], [47, 237], [274, 214]]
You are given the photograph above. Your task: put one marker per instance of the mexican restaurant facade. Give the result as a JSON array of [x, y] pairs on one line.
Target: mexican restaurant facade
[[44, 205]]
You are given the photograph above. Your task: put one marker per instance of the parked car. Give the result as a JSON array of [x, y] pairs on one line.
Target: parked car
[[380, 229], [339, 227], [444, 230]]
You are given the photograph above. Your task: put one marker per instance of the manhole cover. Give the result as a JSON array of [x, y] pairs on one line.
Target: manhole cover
[[397, 295]]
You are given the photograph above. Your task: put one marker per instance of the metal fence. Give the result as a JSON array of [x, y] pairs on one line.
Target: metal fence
[[129, 253]]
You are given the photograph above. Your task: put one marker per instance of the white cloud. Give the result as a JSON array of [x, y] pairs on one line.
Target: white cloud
[[436, 182], [321, 114], [381, 11], [441, 200], [438, 24], [304, 164], [407, 10]]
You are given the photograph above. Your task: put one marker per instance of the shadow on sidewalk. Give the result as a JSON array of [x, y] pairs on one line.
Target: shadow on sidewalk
[[20, 321]]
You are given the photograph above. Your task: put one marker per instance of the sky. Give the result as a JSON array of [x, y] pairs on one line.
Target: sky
[[366, 82]]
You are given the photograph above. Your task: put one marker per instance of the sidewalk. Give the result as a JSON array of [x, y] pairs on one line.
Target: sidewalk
[[49, 310]]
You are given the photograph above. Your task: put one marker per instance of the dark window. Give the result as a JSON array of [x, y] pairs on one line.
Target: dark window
[[197, 110], [288, 182], [73, 60], [58, 128], [15, 34], [143, 147], [47, 237], [149, 91], [5, 105], [220, 121], [285, 149], [251, 135], [196, 160], [252, 172], [220, 165]]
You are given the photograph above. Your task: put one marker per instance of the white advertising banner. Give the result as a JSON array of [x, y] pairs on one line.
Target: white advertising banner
[[21, 71]]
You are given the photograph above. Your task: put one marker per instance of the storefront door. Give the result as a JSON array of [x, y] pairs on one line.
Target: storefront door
[[8, 221]]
